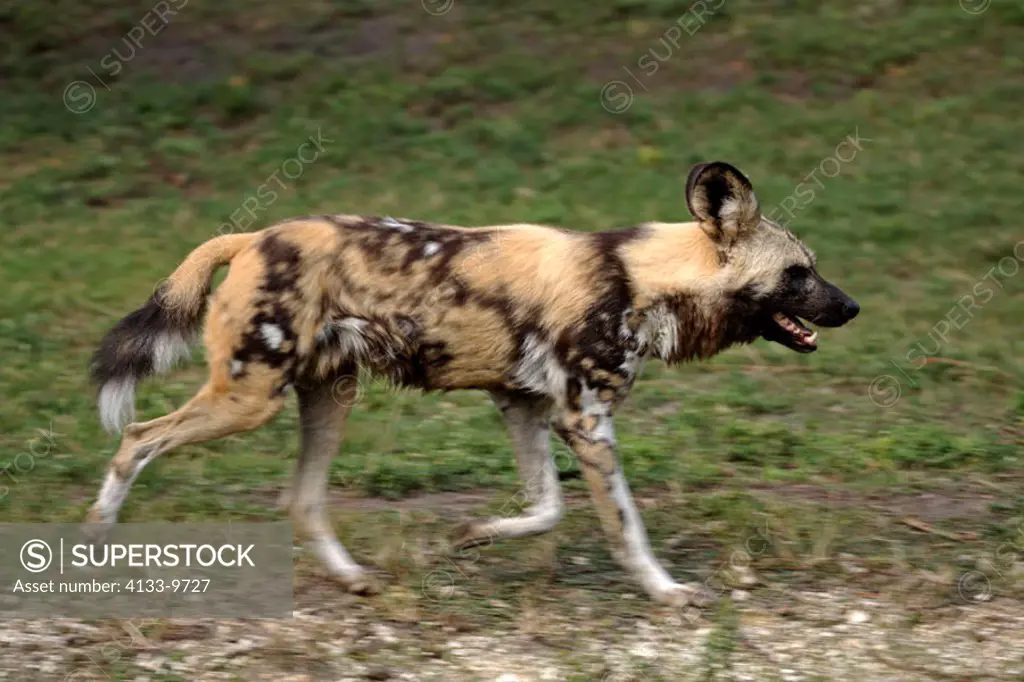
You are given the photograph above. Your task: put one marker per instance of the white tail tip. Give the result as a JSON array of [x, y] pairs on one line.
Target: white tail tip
[[117, 404]]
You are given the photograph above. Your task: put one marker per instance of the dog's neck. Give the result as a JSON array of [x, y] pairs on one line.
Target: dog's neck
[[682, 328], [682, 293]]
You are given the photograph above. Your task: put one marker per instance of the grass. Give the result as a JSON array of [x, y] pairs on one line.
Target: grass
[[490, 114]]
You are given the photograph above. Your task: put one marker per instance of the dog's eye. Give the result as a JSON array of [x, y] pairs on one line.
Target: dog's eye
[[797, 271]]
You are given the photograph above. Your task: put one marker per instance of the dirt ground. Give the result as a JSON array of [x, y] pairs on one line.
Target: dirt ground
[[913, 626], [789, 636]]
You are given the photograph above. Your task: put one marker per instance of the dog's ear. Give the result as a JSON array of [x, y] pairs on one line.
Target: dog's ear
[[722, 199]]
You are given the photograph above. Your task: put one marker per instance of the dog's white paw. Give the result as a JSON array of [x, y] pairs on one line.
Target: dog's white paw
[[680, 596]]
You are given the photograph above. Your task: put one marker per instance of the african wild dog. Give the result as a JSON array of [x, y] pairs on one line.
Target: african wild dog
[[554, 324]]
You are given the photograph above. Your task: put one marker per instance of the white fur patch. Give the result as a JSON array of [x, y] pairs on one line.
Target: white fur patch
[[272, 335], [167, 350], [660, 332], [591, 404], [348, 333], [632, 365], [545, 512], [739, 213], [236, 367], [624, 331], [333, 553], [639, 557], [115, 490], [430, 248], [111, 497], [117, 403], [117, 396], [538, 370], [605, 430], [396, 224], [541, 487], [634, 360]]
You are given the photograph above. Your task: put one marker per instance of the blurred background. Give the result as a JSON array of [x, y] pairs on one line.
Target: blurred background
[[886, 133]]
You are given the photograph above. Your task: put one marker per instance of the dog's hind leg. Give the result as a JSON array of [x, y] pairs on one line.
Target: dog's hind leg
[[526, 419], [220, 408], [323, 410]]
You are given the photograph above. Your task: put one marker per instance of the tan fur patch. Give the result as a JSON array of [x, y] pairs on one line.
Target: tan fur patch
[[558, 271], [478, 340], [186, 290], [674, 258]]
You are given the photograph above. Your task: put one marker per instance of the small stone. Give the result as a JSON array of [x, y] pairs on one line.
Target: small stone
[[740, 595], [857, 617], [673, 541], [691, 615], [850, 563], [741, 576]]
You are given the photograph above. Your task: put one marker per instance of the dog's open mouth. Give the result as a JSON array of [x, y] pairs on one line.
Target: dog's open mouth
[[790, 332]]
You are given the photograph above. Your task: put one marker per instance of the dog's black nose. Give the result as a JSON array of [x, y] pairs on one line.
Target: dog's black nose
[[850, 309]]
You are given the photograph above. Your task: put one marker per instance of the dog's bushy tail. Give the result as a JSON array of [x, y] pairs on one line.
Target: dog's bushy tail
[[154, 337]]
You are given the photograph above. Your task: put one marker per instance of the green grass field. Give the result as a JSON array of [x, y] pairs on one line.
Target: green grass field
[[487, 112]]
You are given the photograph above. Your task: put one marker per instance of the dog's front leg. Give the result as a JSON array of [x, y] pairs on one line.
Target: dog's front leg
[[590, 434]]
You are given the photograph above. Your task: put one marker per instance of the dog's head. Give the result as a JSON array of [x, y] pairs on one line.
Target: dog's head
[[771, 274]]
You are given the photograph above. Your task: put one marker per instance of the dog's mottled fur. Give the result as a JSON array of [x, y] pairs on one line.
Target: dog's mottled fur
[[554, 324]]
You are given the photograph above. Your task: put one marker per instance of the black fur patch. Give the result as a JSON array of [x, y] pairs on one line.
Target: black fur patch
[[717, 190], [704, 332], [394, 349], [283, 263], [126, 351], [717, 180], [573, 391], [569, 475], [611, 241], [282, 267], [600, 339], [254, 346]]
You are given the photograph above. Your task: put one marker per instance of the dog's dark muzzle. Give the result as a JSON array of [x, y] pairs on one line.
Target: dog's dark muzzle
[[840, 310]]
